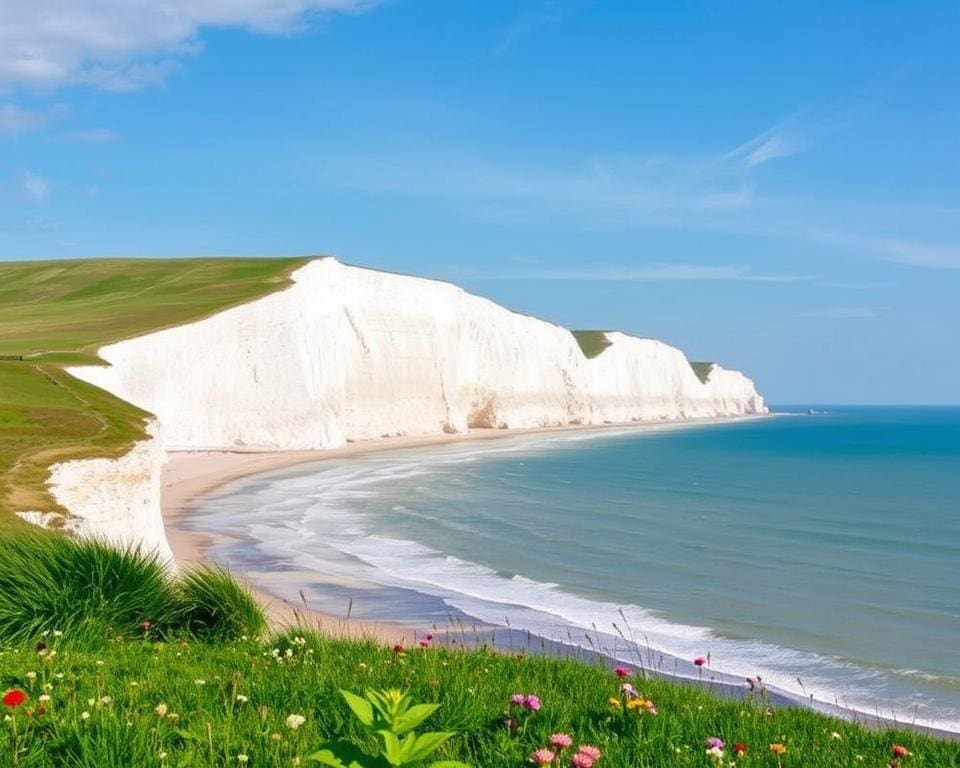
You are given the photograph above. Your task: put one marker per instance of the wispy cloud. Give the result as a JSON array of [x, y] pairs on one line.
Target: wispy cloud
[[33, 188], [780, 141], [841, 313], [543, 14], [91, 136], [921, 254], [652, 273], [131, 44], [15, 120]]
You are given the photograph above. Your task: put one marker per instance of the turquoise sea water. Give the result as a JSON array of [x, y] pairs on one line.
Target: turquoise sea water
[[823, 547]]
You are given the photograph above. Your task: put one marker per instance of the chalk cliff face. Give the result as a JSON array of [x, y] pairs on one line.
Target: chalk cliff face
[[354, 354]]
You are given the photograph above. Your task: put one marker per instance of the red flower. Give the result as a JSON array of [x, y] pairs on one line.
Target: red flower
[[739, 748], [699, 661], [622, 672], [398, 648], [898, 751], [14, 698]]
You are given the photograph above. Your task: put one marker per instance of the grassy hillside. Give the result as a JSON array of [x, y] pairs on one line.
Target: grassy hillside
[[592, 343], [54, 313]]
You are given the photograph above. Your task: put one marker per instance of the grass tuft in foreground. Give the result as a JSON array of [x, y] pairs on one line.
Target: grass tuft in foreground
[[89, 591]]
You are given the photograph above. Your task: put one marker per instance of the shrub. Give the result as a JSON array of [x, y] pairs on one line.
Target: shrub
[[213, 606]]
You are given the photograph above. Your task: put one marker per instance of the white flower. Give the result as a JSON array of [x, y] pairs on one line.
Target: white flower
[[295, 721], [84, 715], [241, 699], [199, 681], [91, 702], [162, 755], [57, 633], [31, 676], [242, 759], [160, 710], [44, 698], [835, 735], [105, 701]]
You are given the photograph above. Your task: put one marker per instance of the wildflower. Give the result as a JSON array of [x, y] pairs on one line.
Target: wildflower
[[589, 750], [739, 749], [580, 760], [613, 702], [714, 743], [160, 710], [105, 701], [398, 648], [161, 755], [242, 759], [622, 672], [699, 661], [715, 754], [778, 748], [241, 699], [532, 702], [628, 690], [14, 698], [517, 700], [295, 721], [510, 724], [898, 751], [362, 667], [560, 740], [542, 756], [84, 715], [44, 698], [424, 643], [199, 681], [835, 735]]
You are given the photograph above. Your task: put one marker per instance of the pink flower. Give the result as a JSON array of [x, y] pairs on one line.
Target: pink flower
[[580, 760], [425, 643], [714, 743], [699, 661], [898, 751], [542, 756], [532, 702], [622, 672], [629, 691], [590, 751], [518, 699], [561, 740]]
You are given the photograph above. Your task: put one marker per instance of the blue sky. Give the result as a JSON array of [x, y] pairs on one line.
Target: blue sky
[[770, 185]]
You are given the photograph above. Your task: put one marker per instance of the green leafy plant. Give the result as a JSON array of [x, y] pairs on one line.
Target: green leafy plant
[[391, 716]]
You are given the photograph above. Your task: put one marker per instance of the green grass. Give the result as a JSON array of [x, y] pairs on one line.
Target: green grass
[[196, 686], [182, 693], [592, 343], [702, 370], [56, 313], [92, 591]]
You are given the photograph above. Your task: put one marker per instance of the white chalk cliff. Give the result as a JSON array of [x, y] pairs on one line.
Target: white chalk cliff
[[350, 354]]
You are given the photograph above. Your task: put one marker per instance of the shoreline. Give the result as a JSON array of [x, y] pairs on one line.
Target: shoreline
[[191, 474]]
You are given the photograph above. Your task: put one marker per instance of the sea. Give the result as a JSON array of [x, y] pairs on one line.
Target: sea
[[818, 548]]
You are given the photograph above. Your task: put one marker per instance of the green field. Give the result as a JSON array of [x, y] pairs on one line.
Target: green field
[[55, 313], [592, 343], [107, 660]]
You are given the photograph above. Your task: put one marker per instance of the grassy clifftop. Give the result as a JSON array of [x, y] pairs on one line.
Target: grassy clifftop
[[55, 313]]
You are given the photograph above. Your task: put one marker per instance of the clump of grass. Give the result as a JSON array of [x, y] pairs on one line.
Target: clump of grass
[[214, 606], [85, 588], [91, 591]]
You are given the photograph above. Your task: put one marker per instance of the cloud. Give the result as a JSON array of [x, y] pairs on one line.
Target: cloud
[[15, 120], [921, 254], [780, 141], [841, 313], [33, 188], [131, 44], [92, 136], [655, 273]]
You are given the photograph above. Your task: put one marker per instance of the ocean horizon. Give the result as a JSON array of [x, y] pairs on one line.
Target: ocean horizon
[[816, 548]]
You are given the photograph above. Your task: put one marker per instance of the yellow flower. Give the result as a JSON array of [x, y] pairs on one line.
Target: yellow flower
[[778, 748], [636, 704], [614, 703]]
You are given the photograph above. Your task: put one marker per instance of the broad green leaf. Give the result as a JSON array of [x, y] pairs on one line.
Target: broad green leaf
[[343, 754], [391, 748], [413, 717], [360, 707], [425, 745]]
